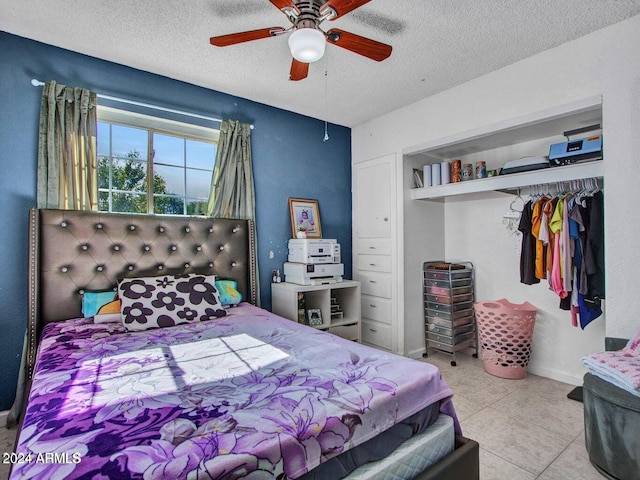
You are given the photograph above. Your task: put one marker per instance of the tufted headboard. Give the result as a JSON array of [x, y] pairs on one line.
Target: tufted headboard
[[75, 251]]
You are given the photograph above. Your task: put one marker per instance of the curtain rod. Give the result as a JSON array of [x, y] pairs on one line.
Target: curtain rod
[[37, 83]]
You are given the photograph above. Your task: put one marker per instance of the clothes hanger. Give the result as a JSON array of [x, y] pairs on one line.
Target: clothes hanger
[[558, 189], [511, 218], [587, 186], [512, 206]]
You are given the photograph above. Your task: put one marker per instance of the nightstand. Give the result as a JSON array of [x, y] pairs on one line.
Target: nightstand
[[335, 307]]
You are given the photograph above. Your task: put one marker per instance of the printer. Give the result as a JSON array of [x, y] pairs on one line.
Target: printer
[[313, 261], [572, 151], [313, 274], [578, 149], [314, 250]]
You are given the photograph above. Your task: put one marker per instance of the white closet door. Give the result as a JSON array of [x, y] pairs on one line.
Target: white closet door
[[373, 199]]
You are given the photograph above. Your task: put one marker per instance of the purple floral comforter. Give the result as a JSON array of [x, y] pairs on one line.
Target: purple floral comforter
[[250, 395]]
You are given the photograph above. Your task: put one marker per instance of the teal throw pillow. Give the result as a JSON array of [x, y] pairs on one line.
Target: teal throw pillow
[[92, 302], [229, 295]]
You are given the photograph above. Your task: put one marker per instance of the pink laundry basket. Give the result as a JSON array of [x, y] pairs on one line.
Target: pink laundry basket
[[505, 331]]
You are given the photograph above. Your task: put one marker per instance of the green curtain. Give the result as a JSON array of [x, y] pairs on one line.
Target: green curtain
[[232, 190], [67, 175], [67, 159]]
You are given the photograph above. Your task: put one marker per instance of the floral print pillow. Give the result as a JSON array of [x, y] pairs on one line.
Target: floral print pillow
[[154, 302]]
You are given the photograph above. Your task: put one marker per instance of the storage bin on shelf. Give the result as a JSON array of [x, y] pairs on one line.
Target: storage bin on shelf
[[505, 331], [448, 307]]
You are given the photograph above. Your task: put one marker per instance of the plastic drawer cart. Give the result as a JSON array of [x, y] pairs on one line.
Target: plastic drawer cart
[[448, 291]]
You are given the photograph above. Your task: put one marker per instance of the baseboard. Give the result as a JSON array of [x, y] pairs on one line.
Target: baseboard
[[571, 379], [559, 376], [3, 418], [416, 354]]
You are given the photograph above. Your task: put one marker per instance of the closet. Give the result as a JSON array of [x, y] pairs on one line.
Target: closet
[[449, 213]]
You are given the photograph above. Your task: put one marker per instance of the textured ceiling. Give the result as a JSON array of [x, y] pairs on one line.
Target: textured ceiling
[[437, 44]]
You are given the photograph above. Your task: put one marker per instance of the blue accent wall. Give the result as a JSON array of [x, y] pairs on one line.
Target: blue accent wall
[[289, 159]]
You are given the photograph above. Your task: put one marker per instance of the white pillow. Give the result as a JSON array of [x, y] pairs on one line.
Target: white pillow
[[153, 302]]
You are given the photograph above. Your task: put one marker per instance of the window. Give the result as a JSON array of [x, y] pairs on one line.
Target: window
[[152, 165]]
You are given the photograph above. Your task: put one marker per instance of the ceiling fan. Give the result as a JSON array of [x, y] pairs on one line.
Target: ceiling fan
[[307, 40]]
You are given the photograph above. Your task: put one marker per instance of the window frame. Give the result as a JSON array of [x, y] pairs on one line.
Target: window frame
[[162, 126]]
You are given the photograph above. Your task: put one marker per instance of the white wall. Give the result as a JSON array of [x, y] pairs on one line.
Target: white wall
[[603, 63], [423, 242]]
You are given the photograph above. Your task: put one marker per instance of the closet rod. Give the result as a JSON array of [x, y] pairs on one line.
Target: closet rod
[[578, 183], [37, 83]]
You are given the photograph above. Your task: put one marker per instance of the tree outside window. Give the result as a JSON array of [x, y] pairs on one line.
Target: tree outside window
[[180, 168]]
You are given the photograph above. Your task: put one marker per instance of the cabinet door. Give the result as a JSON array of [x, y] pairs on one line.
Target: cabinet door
[[376, 308], [373, 198], [374, 263], [374, 246], [376, 334], [375, 284]]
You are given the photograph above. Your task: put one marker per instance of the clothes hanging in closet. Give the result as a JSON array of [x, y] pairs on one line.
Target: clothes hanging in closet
[[541, 252], [528, 251], [563, 242], [595, 248], [546, 235]]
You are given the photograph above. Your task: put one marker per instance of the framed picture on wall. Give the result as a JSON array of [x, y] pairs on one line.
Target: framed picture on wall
[[305, 217]]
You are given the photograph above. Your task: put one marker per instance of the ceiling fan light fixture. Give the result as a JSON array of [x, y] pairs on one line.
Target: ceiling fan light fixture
[[307, 45]]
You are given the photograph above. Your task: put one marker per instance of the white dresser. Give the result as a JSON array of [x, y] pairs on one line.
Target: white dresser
[[374, 227]]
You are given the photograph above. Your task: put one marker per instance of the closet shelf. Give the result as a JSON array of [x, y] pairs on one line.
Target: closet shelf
[[576, 171], [527, 135], [542, 124]]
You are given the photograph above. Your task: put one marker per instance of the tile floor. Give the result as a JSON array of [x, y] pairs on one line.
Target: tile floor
[[7, 439], [527, 429]]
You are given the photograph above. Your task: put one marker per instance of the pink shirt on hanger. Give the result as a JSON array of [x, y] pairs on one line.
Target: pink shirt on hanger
[[555, 226]]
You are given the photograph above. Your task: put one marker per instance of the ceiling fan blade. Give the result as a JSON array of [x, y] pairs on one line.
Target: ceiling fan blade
[[342, 7], [233, 38], [364, 46], [299, 70], [280, 4]]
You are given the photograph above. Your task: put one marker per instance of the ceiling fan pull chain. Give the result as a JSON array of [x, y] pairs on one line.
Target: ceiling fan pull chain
[[326, 101]]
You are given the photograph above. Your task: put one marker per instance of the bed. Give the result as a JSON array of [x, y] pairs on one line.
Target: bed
[[234, 392]]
